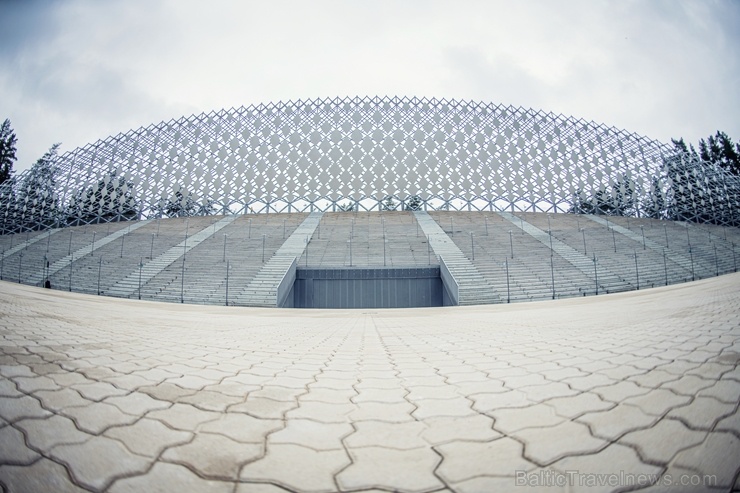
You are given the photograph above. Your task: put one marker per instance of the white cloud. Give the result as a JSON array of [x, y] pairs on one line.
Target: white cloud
[[81, 70]]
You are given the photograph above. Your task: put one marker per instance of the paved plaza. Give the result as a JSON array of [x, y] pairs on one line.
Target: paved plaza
[[607, 393]]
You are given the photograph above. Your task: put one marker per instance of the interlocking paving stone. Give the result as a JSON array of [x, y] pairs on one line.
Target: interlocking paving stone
[[617, 421], [166, 478], [702, 413], [321, 400], [264, 408], [166, 391], [242, 428], [44, 434], [620, 391], [183, 416], [98, 416], [545, 445], [428, 408], [13, 448], [390, 469], [658, 401], [616, 463], [41, 476], [312, 434], [400, 436], [298, 468], [97, 462], [727, 391], [214, 456], [8, 389], [377, 411], [717, 455], [446, 429], [535, 416], [33, 384], [15, 408], [136, 403], [56, 400], [688, 385], [148, 437], [661, 442], [574, 406], [97, 391], [465, 460]]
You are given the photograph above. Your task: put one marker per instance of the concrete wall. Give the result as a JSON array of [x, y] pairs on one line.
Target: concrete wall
[[367, 288]]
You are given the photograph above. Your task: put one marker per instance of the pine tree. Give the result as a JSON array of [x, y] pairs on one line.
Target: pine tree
[[8, 141], [36, 200]]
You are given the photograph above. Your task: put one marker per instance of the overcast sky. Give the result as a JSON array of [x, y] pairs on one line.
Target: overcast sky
[[80, 70]]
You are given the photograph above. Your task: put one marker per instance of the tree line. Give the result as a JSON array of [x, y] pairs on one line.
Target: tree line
[[31, 201]]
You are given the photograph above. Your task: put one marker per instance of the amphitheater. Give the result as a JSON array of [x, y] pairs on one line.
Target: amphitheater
[[566, 311]]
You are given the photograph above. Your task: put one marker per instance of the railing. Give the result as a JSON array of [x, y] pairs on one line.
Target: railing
[[448, 281], [286, 284]]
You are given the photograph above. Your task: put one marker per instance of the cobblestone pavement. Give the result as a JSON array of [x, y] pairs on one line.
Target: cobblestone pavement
[[595, 394]]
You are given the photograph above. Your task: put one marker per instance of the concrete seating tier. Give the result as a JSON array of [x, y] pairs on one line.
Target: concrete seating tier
[[620, 254]]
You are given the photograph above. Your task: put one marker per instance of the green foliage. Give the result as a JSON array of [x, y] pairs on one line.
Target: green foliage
[[617, 200], [703, 186], [389, 204], [33, 202], [347, 207], [414, 203], [110, 199], [184, 205], [8, 141]]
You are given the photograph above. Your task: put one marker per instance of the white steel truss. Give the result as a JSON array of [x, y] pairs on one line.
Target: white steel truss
[[368, 154]]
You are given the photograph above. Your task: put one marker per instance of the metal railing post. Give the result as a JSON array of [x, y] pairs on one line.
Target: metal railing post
[[263, 249], [644, 247], [429, 252], [123, 237], [552, 276], [665, 231], [691, 256], [583, 233], [472, 245], [227, 283], [71, 261], [100, 269], [511, 244], [716, 261], [614, 240], [141, 267], [665, 268], [20, 265], [350, 248], [92, 247], [508, 289], [637, 272], [596, 276], [151, 250], [182, 281], [225, 235], [69, 250]]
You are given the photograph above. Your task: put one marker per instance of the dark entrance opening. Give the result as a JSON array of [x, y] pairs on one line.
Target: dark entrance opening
[[367, 288]]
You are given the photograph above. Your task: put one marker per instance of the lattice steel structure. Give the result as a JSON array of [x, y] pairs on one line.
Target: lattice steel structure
[[365, 154]]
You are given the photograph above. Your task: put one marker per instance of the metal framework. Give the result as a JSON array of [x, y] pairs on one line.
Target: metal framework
[[368, 154]]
